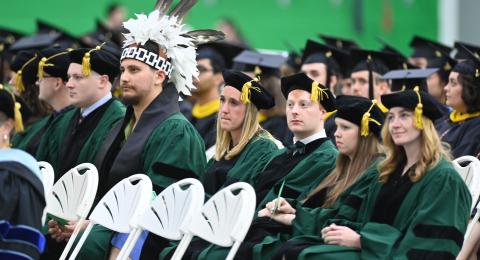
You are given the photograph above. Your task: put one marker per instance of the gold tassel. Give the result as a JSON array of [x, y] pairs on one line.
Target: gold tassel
[[477, 73], [41, 64], [417, 119], [447, 66], [246, 95], [364, 124], [86, 67], [257, 71], [18, 118], [364, 129], [317, 92], [19, 82]]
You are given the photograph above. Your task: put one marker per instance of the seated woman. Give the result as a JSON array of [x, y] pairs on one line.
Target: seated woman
[[461, 127], [359, 147], [418, 208], [243, 147]]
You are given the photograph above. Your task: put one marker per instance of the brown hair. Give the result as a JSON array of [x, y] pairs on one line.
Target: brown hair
[[348, 171]]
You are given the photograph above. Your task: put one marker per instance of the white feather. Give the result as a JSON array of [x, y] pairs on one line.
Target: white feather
[[167, 33]]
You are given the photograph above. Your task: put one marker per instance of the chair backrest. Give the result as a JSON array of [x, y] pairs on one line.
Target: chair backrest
[[48, 175], [227, 215], [124, 203], [469, 169], [174, 208], [72, 196]]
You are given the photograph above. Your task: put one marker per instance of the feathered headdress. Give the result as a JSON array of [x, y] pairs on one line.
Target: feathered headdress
[[169, 33]]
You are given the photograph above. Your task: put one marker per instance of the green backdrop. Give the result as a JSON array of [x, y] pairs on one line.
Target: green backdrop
[[266, 24]]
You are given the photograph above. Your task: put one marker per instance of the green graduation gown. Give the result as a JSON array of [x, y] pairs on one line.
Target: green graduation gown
[[163, 145], [429, 224], [52, 147], [29, 139], [243, 167], [299, 181]]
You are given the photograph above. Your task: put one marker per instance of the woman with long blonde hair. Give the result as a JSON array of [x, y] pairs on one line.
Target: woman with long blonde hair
[[418, 208], [242, 146]]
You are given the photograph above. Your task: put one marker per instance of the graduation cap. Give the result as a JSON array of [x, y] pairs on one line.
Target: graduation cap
[[103, 34], [315, 52], [24, 65], [259, 63], [220, 54], [318, 92], [403, 61], [97, 59], [11, 108], [9, 36], [251, 90], [53, 61], [373, 61], [425, 48], [460, 50], [471, 66], [361, 111], [340, 43], [418, 101], [444, 64], [409, 79]]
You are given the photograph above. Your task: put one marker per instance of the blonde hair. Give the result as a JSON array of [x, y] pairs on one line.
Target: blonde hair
[[348, 171], [431, 152], [250, 128]]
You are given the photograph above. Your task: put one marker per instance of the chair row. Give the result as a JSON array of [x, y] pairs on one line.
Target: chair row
[[177, 213]]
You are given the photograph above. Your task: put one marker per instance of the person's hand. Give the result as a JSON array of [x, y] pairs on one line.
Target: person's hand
[[55, 230], [63, 233], [341, 236], [280, 205]]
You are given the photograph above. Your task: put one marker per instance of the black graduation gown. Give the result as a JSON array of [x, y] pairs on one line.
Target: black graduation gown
[[463, 137], [22, 198], [278, 127]]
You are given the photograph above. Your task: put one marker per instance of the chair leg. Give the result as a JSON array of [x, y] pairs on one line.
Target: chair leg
[[182, 247], [129, 244], [82, 240], [72, 239], [233, 250]]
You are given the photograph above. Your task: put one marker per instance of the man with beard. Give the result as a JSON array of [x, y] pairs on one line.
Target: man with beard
[[154, 137]]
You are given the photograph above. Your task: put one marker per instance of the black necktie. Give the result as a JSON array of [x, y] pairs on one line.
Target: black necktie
[[296, 148]]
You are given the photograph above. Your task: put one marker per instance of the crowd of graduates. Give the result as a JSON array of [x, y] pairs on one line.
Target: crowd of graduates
[[349, 150]]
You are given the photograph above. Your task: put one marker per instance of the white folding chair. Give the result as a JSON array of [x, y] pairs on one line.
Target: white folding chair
[[48, 175], [48, 178], [126, 201], [171, 210], [72, 196], [470, 173], [224, 219]]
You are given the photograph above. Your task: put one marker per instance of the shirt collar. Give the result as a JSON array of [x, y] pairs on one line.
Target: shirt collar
[[86, 111], [316, 136]]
